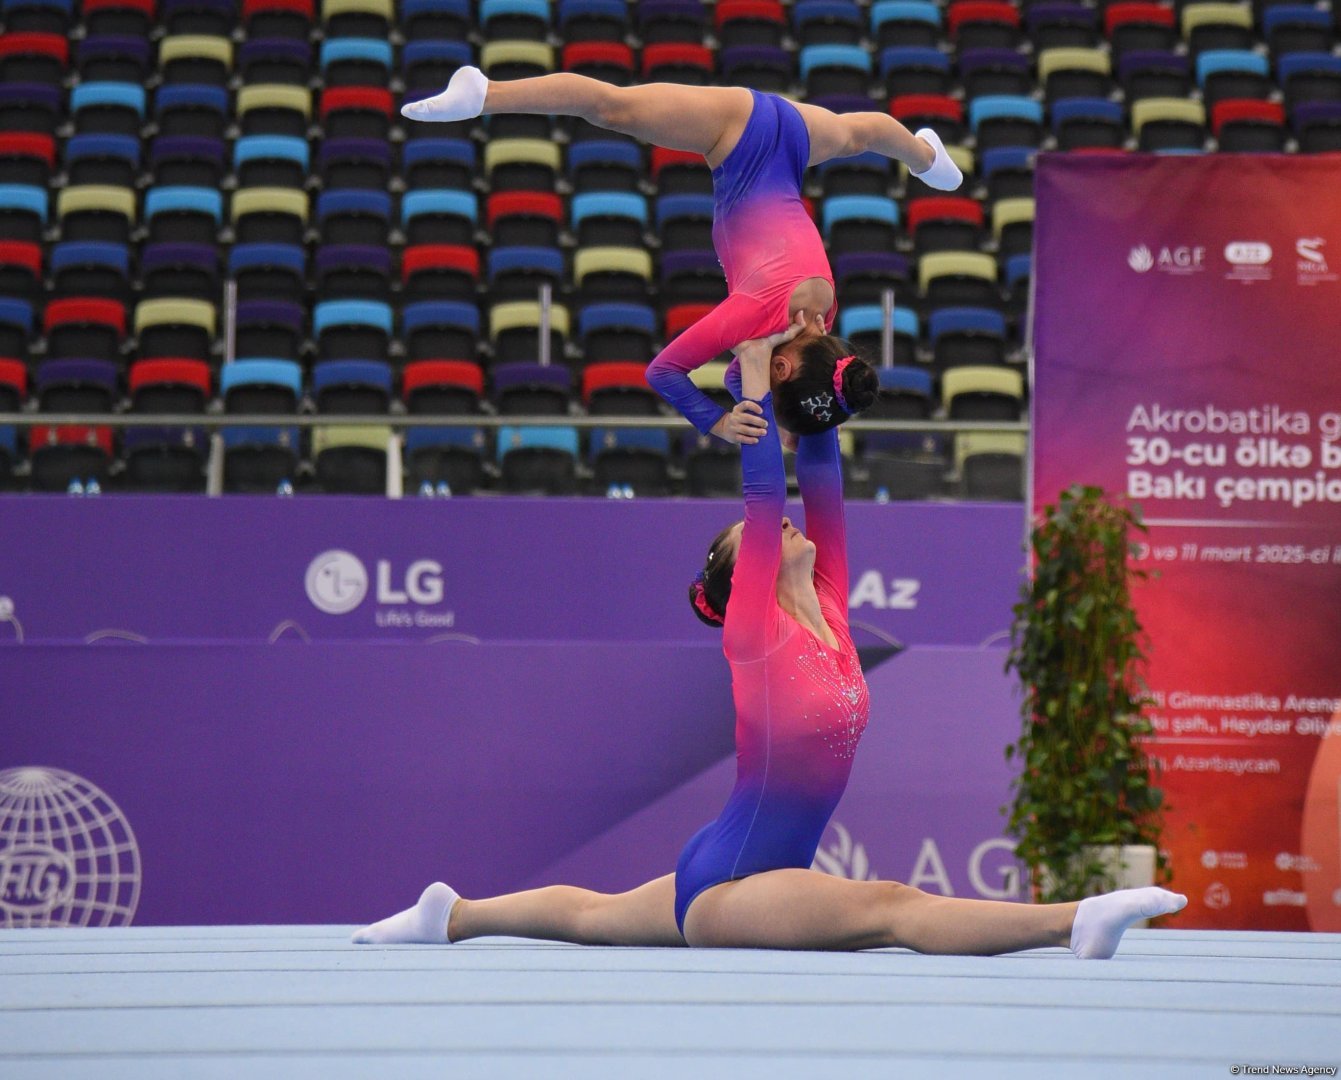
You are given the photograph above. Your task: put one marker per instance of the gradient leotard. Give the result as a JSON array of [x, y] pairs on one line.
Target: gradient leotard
[[767, 245], [801, 705]]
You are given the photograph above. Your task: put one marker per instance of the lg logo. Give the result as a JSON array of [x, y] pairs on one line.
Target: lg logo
[[337, 583]]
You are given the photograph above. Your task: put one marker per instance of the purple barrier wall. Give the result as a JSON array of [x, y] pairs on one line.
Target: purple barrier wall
[[247, 784], [165, 569]]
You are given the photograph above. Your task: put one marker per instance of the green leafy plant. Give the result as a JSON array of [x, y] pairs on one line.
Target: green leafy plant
[[1078, 648]]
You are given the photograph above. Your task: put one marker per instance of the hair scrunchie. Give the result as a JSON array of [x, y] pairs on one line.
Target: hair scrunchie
[[838, 370], [701, 600]]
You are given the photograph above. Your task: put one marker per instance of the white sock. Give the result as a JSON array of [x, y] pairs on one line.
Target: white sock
[[423, 924], [462, 100], [1102, 920], [942, 174]]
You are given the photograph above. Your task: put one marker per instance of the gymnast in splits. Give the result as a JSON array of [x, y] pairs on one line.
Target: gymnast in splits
[[759, 146], [744, 880]]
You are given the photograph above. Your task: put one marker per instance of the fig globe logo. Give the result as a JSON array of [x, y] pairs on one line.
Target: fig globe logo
[[336, 582], [68, 856], [1140, 259]]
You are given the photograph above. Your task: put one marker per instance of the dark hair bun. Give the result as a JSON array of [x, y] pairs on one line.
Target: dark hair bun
[[861, 385]]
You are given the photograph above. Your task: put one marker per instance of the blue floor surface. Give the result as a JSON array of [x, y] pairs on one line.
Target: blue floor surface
[[300, 1001]]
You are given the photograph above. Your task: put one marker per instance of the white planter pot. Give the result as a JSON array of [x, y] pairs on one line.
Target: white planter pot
[[1132, 866]]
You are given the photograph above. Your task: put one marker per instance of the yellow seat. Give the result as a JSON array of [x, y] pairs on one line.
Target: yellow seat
[[981, 379], [1072, 59], [274, 96], [612, 260], [972, 443], [1183, 110], [1216, 14], [190, 46], [521, 152], [525, 315], [381, 8], [175, 311], [955, 264], [100, 198], [709, 376], [267, 200], [533, 53], [1010, 212], [331, 436]]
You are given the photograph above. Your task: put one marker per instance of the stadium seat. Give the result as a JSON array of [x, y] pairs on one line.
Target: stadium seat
[[538, 460], [518, 273], [274, 109], [188, 215], [30, 107], [269, 216], [749, 23], [514, 20], [983, 24], [351, 460], [108, 108], [437, 330], [1290, 28], [994, 72], [863, 326], [23, 212], [766, 68], [187, 270], [528, 389], [983, 393], [506, 60], [439, 272], [1140, 27], [175, 327], [1087, 122], [1005, 121], [1013, 226], [13, 392], [593, 20], [827, 22], [614, 275], [355, 164], [618, 388], [1309, 77], [20, 270], [131, 18], [275, 271], [609, 219], [27, 158], [608, 61], [187, 161], [430, 65], [451, 455], [439, 217], [862, 174], [353, 272], [352, 387], [28, 57], [436, 20], [354, 217], [200, 111], [96, 212], [352, 329], [860, 223], [598, 165], [906, 23], [1154, 75], [361, 112], [195, 59], [259, 459], [348, 61], [276, 61], [944, 114], [969, 336], [1317, 126], [447, 164], [1249, 127], [692, 65], [834, 69], [1071, 72], [522, 165], [357, 18], [166, 459], [905, 394], [958, 279], [61, 455], [76, 386], [1216, 26], [16, 326], [616, 332], [680, 172], [863, 276], [113, 58], [1169, 123], [662, 21], [217, 18], [1009, 170], [949, 223], [108, 160], [170, 385], [990, 466], [269, 328], [271, 161], [91, 269], [691, 277], [442, 387], [38, 16], [915, 69], [1225, 74], [289, 19], [514, 329], [1061, 25], [630, 458]]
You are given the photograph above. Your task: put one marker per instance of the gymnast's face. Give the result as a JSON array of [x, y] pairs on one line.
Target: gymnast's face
[[787, 358], [798, 553]]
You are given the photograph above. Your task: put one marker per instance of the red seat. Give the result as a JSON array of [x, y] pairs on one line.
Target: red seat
[[439, 257], [364, 98], [55, 46], [20, 253], [14, 373], [675, 54], [582, 54], [753, 10], [194, 373], [85, 309], [927, 105], [682, 316], [1265, 112], [617, 373], [942, 208], [28, 144], [256, 7], [94, 9], [460, 373], [71, 435], [1116, 15], [661, 158], [523, 204], [980, 11]]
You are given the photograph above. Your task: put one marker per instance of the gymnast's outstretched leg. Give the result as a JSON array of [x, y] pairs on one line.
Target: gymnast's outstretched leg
[[642, 916], [804, 909]]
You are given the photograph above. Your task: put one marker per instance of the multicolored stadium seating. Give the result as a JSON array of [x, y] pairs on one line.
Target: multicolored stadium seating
[[153, 150]]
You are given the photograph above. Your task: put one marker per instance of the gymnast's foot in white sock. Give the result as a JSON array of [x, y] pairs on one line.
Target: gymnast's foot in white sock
[[1101, 920], [462, 100], [423, 924], [942, 174]]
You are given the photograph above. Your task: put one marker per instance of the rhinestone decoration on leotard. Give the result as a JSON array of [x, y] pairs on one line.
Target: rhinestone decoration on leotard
[[843, 718]]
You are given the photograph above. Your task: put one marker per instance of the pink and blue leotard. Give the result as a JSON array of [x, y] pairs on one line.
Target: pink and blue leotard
[[767, 245], [801, 705]]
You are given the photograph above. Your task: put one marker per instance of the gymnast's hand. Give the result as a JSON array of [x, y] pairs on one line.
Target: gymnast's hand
[[744, 424]]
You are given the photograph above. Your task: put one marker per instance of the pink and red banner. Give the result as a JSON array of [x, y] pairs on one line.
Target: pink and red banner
[[1186, 354]]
